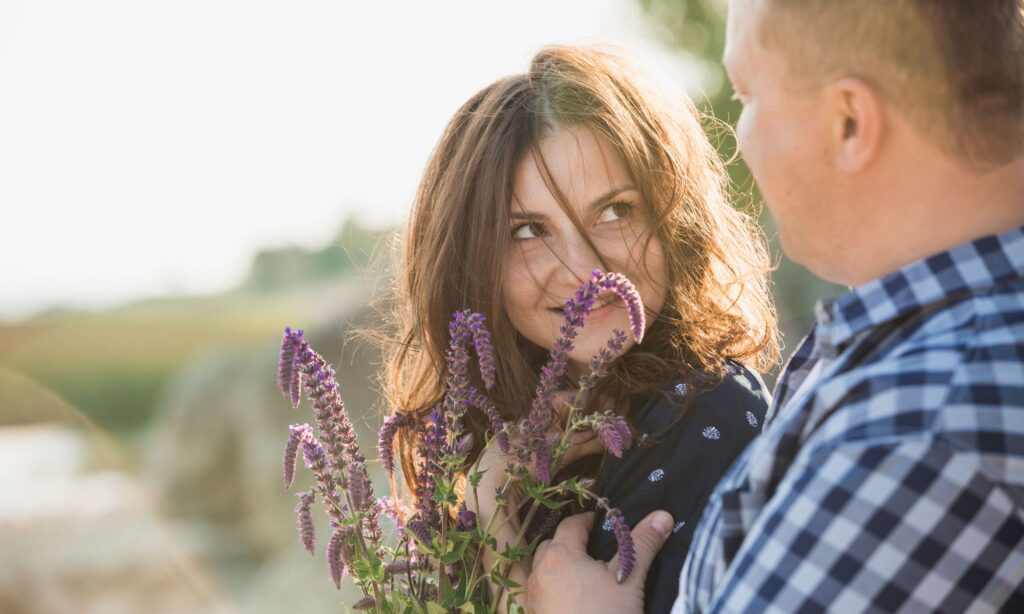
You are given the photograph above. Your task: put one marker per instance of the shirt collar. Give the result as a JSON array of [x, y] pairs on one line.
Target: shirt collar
[[983, 262]]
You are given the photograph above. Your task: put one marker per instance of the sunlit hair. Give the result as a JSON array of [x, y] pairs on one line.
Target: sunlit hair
[[955, 69], [718, 305]]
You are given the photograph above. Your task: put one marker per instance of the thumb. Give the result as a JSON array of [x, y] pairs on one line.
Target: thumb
[[649, 535]]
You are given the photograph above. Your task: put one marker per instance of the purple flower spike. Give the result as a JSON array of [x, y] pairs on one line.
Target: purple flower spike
[[359, 486], [613, 432], [386, 439], [625, 289], [465, 520], [335, 562], [484, 404], [605, 356], [624, 538], [542, 411], [289, 378], [299, 432], [313, 454], [304, 522], [541, 450], [430, 451], [483, 347], [418, 529]]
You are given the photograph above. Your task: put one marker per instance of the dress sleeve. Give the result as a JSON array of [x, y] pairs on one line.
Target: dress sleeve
[[677, 469]]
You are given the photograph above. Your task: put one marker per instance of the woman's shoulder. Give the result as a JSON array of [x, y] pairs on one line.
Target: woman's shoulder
[[740, 399]]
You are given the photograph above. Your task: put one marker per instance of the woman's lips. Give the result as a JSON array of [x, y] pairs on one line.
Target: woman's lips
[[601, 306]]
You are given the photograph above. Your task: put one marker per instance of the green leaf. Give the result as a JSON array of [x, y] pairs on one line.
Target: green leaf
[[444, 492], [474, 478], [435, 608], [468, 608], [552, 504], [454, 552], [502, 581]]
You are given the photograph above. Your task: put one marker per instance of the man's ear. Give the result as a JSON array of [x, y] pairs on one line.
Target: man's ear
[[859, 124]]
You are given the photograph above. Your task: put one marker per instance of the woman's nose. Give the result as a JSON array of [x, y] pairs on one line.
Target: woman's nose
[[578, 260]]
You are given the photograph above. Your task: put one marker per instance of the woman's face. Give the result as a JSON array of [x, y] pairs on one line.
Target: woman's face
[[548, 259]]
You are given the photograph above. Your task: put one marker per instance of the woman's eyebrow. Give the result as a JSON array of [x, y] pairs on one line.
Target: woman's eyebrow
[[610, 194], [521, 214]]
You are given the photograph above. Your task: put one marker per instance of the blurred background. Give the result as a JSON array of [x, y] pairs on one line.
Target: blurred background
[[178, 182]]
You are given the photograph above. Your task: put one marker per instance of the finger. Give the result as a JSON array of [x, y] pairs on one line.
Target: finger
[[538, 554], [649, 535], [574, 531]]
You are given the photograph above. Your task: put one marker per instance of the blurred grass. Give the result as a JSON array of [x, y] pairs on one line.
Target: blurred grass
[[113, 364]]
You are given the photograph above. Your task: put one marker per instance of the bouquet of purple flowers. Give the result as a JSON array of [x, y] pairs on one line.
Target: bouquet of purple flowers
[[435, 564]]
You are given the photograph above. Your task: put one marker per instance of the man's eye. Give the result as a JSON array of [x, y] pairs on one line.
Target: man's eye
[[530, 230], [615, 211]]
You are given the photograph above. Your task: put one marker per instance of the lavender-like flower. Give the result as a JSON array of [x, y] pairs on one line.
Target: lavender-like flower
[[484, 404], [359, 487], [457, 358], [541, 415], [620, 285], [288, 378], [335, 561], [624, 539], [298, 433], [465, 520], [463, 445], [541, 449], [386, 439], [483, 347], [310, 369], [304, 521], [399, 566], [599, 363], [313, 455], [340, 446], [613, 432], [418, 529], [430, 450]]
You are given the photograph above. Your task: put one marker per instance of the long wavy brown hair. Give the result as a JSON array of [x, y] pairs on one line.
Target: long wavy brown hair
[[718, 306]]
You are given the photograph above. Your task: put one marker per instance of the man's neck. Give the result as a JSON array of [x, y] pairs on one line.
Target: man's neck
[[933, 212]]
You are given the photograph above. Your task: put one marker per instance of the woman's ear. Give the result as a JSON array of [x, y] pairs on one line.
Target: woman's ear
[[859, 124]]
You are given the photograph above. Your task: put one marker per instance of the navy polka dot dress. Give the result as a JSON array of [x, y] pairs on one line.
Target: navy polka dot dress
[[676, 470]]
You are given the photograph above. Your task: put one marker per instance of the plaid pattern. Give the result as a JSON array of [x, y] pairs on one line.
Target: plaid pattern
[[895, 481]]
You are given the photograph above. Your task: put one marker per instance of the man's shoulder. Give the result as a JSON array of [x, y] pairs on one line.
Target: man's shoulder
[[956, 375]]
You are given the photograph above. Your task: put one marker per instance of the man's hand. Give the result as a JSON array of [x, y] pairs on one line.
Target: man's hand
[[565, 579]]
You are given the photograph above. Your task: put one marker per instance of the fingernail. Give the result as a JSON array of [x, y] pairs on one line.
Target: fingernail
[[662, 523]]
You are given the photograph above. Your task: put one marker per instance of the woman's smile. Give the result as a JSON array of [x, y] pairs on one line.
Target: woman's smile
[[549, 255]]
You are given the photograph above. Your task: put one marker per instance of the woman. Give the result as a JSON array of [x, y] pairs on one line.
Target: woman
[[541, 178]]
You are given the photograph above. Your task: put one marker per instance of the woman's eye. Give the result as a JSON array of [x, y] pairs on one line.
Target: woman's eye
[[530, 230], [615, 211]]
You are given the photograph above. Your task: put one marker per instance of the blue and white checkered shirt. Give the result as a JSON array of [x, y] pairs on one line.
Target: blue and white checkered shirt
[[895, 480]]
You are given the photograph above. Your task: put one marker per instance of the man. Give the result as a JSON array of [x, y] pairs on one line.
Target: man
[[887, 137]]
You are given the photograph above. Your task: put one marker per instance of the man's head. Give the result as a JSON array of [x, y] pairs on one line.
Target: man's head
[[847, 105]]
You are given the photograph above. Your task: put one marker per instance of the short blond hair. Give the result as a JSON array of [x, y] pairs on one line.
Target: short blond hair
[[954, 68]]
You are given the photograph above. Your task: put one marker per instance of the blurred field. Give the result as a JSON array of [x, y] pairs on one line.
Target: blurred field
[[141, 446], [112, 364]]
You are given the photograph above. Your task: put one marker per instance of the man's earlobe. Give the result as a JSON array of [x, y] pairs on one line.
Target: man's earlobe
[[860, 124]]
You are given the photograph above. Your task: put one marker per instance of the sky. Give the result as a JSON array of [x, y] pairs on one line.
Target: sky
[[152, 148]]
